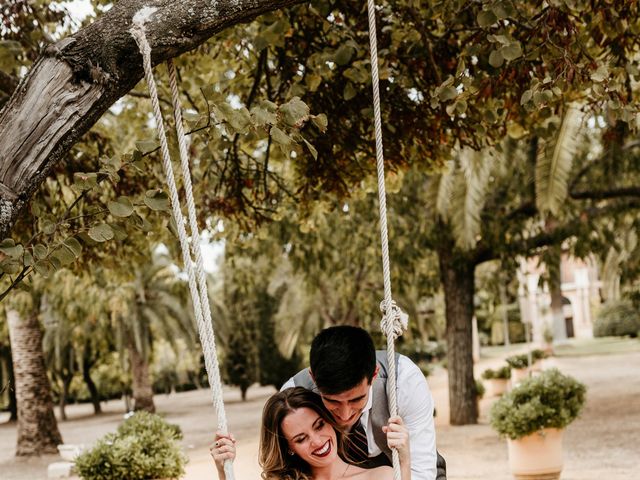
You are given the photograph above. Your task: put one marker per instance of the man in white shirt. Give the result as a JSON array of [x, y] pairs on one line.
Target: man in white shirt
[[350, 376]]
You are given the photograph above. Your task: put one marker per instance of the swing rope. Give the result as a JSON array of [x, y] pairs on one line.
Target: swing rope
[[394, 321], [195, 271]]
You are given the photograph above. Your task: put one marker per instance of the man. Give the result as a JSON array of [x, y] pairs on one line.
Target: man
[[351, 377]]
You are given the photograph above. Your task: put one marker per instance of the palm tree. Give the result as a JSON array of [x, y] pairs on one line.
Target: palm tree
[[37, 427], [76, 322], [149, 305]]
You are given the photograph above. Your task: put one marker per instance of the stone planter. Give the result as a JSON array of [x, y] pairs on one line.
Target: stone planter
[[537, 456], [519, 374], [497, 387]]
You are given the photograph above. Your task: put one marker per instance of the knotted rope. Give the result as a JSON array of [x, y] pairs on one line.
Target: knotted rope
[[394, 320], [195, 271]]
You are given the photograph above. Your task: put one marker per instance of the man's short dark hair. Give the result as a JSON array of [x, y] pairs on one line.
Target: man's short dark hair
[[341, 357]]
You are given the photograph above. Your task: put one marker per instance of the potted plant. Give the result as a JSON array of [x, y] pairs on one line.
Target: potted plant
[[497, 380], [533, 416], [144, 447], [537, 356], [519, 367]]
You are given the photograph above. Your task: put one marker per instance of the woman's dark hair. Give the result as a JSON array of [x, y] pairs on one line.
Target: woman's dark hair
[[276, 463], [341, 357]]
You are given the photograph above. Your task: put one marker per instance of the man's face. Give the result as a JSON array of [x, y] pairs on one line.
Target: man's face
[[346, 407]]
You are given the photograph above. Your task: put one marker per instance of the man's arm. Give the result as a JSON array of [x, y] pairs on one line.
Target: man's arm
[[415, 406]]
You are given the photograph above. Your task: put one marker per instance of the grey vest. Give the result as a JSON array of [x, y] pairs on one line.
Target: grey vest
[[379, 413]]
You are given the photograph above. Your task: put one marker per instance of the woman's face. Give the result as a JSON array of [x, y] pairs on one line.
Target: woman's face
[[310, 437]]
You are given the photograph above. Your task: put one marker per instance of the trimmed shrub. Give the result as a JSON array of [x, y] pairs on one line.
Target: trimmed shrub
[[617, 319], [144, 447], [548, 400], [480, 390], [501, 373]]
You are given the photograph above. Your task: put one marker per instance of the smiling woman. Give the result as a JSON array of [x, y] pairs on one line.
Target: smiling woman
[[299, 440]]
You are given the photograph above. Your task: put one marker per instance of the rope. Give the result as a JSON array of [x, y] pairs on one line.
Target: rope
[[195, 273], [392, 320]]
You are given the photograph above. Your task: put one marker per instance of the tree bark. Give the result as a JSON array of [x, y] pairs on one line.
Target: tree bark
[[457, 275], [37, 427], [87, 363], [141, 381], [77, 79], [8, 381]]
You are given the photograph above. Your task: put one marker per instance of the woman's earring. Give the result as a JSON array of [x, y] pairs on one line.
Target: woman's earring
[[290, 452]]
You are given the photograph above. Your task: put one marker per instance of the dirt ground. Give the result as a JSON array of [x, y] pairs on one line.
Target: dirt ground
[[601, 444]]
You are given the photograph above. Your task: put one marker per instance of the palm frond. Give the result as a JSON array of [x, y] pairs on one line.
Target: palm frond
[[440, 191], [555, 158], [469, 196]]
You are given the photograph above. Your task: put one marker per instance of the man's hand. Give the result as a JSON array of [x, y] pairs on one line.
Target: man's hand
[[398, 438]]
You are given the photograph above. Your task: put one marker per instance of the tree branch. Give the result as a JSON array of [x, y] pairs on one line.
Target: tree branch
[[76, 80]]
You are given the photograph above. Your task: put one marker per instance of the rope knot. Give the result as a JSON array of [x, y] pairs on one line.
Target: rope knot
[[395, 322]]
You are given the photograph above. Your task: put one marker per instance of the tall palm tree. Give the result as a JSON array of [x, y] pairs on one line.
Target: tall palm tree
[[37, 427], [149, 305]]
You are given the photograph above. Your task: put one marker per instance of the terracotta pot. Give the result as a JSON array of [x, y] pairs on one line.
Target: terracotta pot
[[519, 374], [537, 456], [537, 366], [497, 387]]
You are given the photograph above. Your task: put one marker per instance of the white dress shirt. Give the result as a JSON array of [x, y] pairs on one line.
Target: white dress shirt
[[415, 406]]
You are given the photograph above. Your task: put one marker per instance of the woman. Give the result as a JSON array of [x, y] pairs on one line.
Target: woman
[[300, 441]]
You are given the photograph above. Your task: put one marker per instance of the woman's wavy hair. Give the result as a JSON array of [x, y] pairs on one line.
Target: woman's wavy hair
[[276, 463]]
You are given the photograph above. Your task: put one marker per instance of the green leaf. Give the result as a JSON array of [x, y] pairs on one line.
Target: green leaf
[[349, 91], [526, 97], [40, 251], [600, 74], [263, 117], [122, 207], [279, 136], [44, 268], [313, 82], [320, 121], [157, 200], [85, 181], [101, 233], [486, 18], [28, 258], [496, 59], [343, 55], [64, 255], [295, 112], [239, 119], [10, 265], [312, 149], [146, 146], [8, 247], [73, 245], [448, 93], [512, 51]]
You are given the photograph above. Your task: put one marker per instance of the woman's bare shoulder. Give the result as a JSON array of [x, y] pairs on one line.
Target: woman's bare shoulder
[[379, 473]]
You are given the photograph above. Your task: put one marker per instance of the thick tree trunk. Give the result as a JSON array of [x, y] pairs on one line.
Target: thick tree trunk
[[457, 276], [87, 363], [37, 427], [141, 381], [77, 79]]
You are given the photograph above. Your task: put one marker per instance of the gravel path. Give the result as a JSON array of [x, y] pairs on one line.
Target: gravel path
[[602, 444]]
